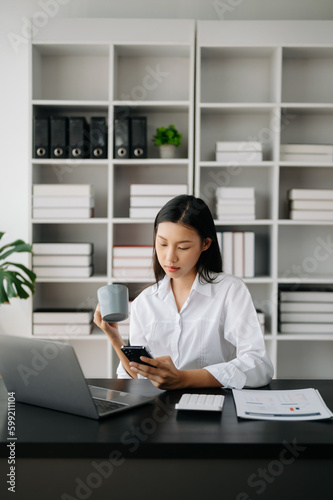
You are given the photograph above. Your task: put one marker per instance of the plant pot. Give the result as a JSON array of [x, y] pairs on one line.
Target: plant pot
[[167, 151]]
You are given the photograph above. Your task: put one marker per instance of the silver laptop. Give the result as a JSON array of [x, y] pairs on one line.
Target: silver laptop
[[47, 373]]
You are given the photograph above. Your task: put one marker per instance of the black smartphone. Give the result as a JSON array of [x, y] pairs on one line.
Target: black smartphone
[[133, 353]]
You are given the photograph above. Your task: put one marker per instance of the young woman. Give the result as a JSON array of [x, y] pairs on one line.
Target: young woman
[[199, 323]]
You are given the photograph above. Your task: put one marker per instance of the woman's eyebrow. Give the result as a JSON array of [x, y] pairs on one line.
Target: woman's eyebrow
[[183, 241]]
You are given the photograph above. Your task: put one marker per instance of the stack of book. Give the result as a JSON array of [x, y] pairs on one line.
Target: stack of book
[[133, 261], [62, 322], [62, 260], [62, 201], [306, 152], [238, 253], [306, 312], [146, 200], [311, 204], [235, 203], [241, 151]]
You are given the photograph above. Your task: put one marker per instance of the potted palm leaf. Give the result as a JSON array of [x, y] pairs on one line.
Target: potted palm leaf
[[16, 280]]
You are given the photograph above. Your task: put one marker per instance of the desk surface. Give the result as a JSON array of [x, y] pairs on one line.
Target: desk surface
[[158, 431]]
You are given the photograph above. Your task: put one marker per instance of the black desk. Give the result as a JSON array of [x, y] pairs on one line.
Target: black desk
[[155, 451]]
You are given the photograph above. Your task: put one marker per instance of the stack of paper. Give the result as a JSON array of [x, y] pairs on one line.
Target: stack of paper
[[62, 260], [238, 253], [306, 152], [311, 204], [306, 312], [146, 200], [235, 203], [133, 261], [62, 322], [241, 151], [62, 201]]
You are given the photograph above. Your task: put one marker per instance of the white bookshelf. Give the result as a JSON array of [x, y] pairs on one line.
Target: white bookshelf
[[271, 82], [101, 67]]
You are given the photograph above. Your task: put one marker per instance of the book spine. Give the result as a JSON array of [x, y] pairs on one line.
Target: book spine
[[302, 317], [316, 307], [126, 262], [62, 317], [62, 213], [249, 254], [133, 251], [158, 189], [62, 260], [311, 205], [133, 272], [62, 329], [63, 201], [62, 190], [244, 156], [62, 248], [149, 201], [63, 272], [231, 192], [306, 328], [227, 254], [310, 194], [311, 296], [238, 251]]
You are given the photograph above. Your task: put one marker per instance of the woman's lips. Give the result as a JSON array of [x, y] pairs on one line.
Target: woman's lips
[[171, 269]]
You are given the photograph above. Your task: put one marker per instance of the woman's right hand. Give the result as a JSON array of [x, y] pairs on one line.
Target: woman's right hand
[[111, 329]]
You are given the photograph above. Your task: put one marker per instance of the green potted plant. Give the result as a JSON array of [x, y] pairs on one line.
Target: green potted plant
[[13, 282], [168, 139]]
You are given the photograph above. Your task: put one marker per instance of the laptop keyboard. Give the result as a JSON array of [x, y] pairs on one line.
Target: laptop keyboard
[[104, 406]]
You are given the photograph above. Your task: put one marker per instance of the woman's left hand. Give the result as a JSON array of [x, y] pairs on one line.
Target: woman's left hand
[[163, 373]]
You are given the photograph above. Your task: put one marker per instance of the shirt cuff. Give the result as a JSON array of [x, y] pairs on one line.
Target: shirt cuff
[[228, 375]]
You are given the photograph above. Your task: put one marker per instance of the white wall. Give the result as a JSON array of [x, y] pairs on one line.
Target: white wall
[[15, 32]]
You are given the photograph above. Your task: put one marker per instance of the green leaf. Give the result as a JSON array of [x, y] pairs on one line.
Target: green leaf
[[4, 299], [29, 273], [20, 246]]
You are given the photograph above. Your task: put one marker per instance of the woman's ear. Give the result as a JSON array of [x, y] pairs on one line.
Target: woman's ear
[[206, 244]]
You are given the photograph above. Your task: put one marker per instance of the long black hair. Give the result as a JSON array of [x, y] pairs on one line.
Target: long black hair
[[192, 212]]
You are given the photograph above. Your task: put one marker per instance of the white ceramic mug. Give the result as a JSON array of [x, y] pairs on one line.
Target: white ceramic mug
[[113, 302]]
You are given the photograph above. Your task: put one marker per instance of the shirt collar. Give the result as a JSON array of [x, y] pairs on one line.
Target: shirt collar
[[164, 287]]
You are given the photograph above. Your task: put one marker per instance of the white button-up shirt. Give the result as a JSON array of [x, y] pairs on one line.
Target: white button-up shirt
[[217, 329]]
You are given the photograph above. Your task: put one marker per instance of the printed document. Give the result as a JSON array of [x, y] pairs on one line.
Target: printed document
[[299, 404]]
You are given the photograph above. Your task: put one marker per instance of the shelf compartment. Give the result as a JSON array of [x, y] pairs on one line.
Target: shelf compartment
[[263, 247], [304, 251], [57, 232], [238, 74], [307, 74], [157, 117], [152, 72], [314, 359], [260, 294], [301, 178], [144, 173], [244, 124], [75, 172], [238, 176], [306, 125], [67, 72]]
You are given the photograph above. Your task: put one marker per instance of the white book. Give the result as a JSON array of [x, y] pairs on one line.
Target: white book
[[63, 272], [240, 156], [63, 201], [306, 328], [143, 213], [311, 205], [132, 262], [63, 189], [310, 194], [134, 272], [249, 254], [149, 201], [235, 217], [306, 157], [133, 251], [238, 256], [62, 329], [316, 307], [227, 254], [238, 146], [62, 260], [62, 213], [306, 296], [62, 316], [307, 148], [303, 317], [230, 202], [62, 248], [235, 209], [311, 214], [235, 192], [158, 189]]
